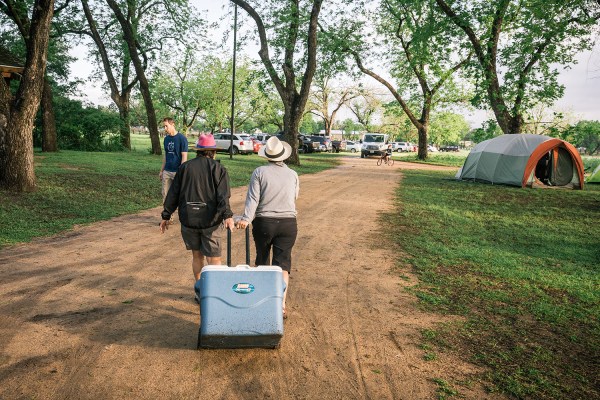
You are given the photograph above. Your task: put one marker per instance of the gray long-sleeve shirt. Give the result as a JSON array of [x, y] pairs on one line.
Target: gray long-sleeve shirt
[[272, 192]]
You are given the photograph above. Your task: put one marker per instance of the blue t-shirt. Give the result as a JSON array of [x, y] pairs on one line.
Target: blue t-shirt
[[174, 146]]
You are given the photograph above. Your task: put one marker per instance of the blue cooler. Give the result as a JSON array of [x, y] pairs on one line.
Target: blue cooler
[[240, 306]]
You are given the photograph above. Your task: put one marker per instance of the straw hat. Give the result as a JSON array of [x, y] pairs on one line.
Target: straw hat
[[205, 142], [275, 150]]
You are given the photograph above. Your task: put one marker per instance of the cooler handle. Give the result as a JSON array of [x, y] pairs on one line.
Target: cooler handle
[[247, 235]]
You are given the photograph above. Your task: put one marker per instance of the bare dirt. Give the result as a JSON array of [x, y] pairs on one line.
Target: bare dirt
[[106, 311]]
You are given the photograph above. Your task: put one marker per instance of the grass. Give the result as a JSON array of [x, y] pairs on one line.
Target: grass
[[454, 159], [522, 266], [75, 188]]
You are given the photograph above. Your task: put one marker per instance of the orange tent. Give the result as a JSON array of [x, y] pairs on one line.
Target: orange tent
[[524, 160]]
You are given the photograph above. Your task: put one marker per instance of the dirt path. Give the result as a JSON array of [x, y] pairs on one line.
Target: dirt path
[[107, 312]]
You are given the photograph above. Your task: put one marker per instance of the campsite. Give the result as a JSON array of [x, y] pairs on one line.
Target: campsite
[[432, 296], [136, 137]]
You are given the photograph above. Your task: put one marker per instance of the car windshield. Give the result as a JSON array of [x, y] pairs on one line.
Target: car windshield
[[244, 137], [374, 138]]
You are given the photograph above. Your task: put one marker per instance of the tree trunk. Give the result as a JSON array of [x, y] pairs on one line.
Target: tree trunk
[[503, 117], [125, 132], [150, 112], [516, 124], [49, 140], [17, 114], [423, 128], [423, 131], [291, 124]]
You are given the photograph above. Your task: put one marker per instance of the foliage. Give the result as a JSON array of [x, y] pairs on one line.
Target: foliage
[[518, 49], [308, 124], [523, 277], [447, 128], [351, 129], [584, 134], [366, 107], [81, 187], [419, 48], [287, 34], [87, 128], [489, 129], [327, 97]]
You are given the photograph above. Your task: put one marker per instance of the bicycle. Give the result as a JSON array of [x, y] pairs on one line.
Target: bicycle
[[386, 160]]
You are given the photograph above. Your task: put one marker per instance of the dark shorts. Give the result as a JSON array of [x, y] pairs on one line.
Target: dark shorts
[[278, 234], [208, 240]]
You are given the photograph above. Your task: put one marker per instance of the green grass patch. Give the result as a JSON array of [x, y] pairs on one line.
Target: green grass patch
[[523, 268], [75, 188], [444, 390], [454, 159]]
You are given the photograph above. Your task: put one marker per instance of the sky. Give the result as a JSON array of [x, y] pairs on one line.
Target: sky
[[581, 81]]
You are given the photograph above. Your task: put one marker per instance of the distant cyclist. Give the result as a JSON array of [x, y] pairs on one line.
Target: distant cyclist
[[388, 154]]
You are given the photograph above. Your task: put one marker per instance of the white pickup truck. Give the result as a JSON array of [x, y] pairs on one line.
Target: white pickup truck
[[373, 144]]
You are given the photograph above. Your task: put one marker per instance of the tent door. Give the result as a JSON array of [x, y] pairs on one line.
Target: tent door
[[542, 168], [560, 167]]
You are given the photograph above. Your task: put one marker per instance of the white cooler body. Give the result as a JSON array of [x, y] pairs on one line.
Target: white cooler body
[[240, 306]]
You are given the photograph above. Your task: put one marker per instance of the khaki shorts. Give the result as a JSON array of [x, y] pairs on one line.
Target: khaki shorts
[[167, 181], [208, 240]]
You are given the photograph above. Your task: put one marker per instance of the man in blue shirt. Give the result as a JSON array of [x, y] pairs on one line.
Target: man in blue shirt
[[176, 148]]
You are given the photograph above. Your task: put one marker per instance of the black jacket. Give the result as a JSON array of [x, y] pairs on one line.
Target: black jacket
[[201, 192]]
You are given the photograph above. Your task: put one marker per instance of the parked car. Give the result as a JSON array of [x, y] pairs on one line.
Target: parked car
[[351, 146], [256, 144], [262, 137], [451, 147], [325, 143], [305, 144], [403, 147], [241, 143], [373, 144], [431, 148]]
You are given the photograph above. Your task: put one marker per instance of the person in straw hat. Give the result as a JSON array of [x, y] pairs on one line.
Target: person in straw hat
[[201, 191], [271, 207]]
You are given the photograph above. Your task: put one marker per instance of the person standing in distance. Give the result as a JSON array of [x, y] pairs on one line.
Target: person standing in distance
[[201, 192], [271, 207], [175, 153]]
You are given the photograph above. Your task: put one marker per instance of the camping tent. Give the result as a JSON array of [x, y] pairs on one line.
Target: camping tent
[[595, 176], [524, 160]]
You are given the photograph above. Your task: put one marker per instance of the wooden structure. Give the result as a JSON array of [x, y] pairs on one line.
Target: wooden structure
[[10, 66]]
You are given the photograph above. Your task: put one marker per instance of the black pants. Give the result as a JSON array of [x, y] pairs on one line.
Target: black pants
[[277, 233]]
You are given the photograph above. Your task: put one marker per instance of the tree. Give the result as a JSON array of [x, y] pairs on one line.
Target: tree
[[326, 100], [489, 130], [584, 134], [88, 128], [365, 108], [179, 86], [395, 122], [519, 47], [17, 112], [268, 108], [423, 55], [447, 128], [542, 121], [351, 128], [57, 60], [111, 53], [159, 13], [288, 19]]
